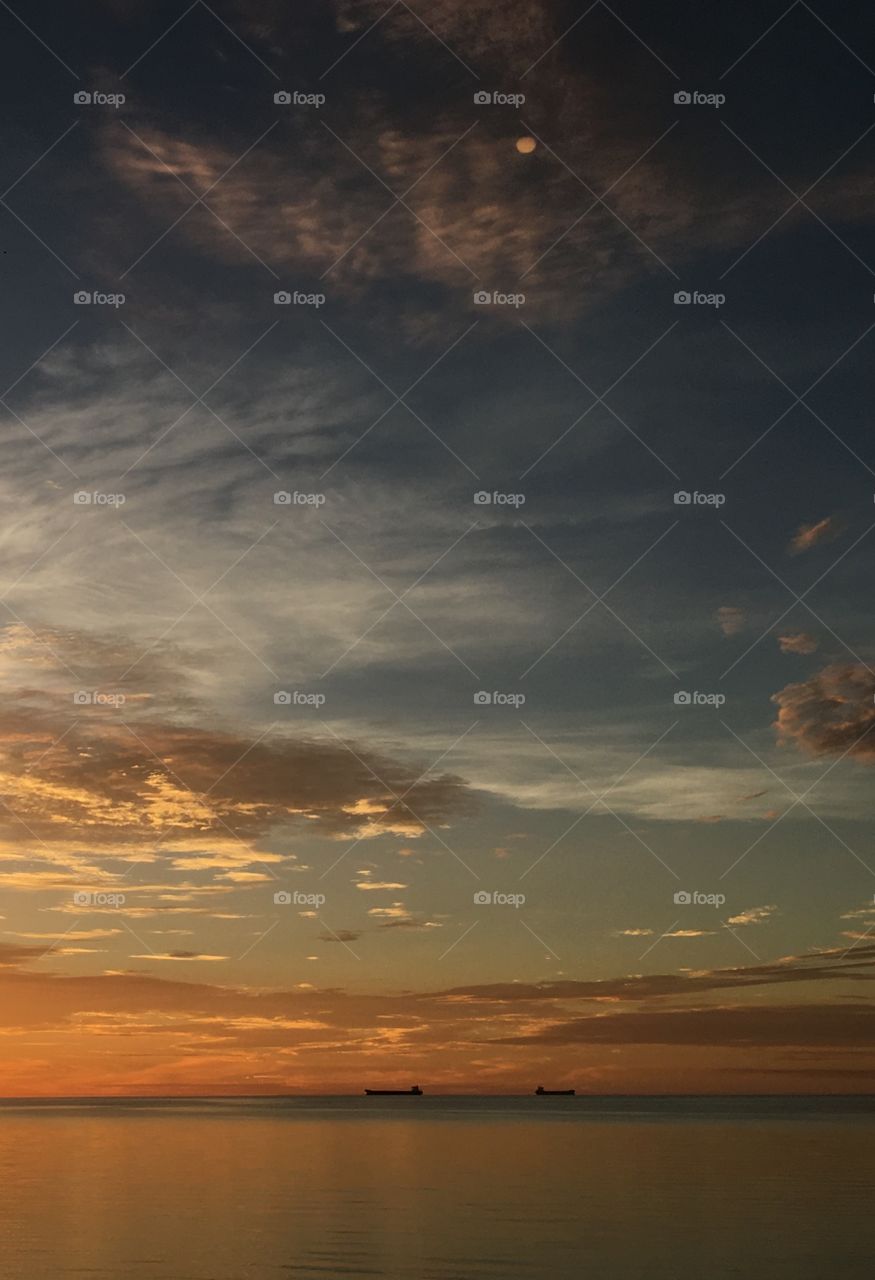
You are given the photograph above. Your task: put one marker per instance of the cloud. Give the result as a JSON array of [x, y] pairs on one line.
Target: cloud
[[477, 209], [811, 535], [380, 884], [411, 922], [525, 33], [824, 966], [755, 915], [832, 713], [731, 619], [798, 642], [13, 954], [860, 913], [71, 935], [118, 783], [149, 1025], [468, 217], [824, 1025], [177, 955]]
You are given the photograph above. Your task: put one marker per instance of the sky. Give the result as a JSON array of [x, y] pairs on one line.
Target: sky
[[438, 504]]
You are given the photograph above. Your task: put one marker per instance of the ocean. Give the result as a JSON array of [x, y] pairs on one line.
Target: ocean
[[438, 1188]]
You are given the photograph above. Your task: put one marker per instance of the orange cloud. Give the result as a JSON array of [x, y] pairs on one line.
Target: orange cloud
[[810, 535], [755, 915], [151, 1028], [798, 642], [829, 714], [176, 955]]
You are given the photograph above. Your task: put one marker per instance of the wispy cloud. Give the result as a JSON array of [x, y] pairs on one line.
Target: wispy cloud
[[811, 535]]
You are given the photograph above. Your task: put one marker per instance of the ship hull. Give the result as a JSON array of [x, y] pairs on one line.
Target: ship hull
[[393, 1093]]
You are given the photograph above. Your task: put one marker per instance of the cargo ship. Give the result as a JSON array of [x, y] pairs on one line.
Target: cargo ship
[[415, 1091], [541, 1092]]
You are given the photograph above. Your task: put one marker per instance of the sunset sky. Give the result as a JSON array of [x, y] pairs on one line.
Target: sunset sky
[[251, 801]]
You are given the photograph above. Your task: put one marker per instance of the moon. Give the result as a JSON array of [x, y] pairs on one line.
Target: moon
[[525, 145]]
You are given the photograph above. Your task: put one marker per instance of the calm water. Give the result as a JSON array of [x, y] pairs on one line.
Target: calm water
[[438, 1189]]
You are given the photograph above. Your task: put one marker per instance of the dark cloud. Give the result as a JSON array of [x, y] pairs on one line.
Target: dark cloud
[[731, 619], [476, 32], [823, 1025], [817, 966], [657, 994], [13, 954], [114, 777]]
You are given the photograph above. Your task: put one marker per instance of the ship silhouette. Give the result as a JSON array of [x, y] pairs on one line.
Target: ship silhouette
[[541, 1092], [413, 1091]]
